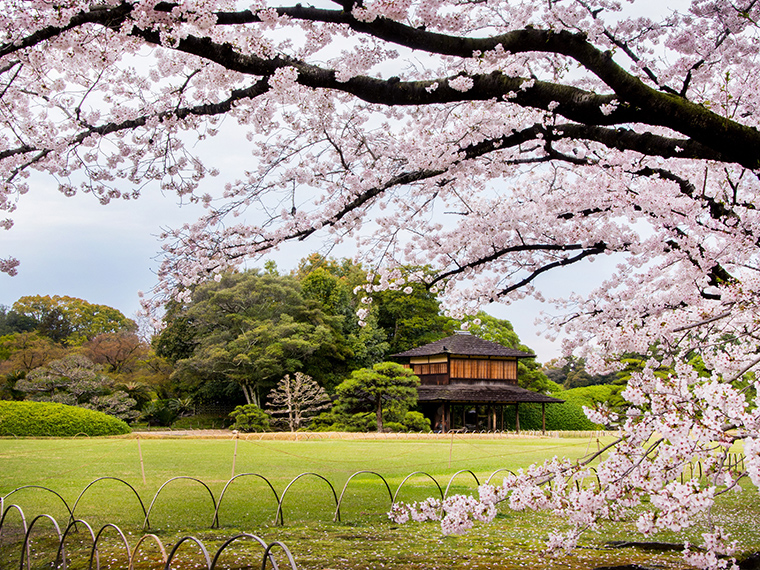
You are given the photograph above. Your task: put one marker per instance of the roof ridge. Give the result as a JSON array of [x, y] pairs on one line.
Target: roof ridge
[[465, 344]]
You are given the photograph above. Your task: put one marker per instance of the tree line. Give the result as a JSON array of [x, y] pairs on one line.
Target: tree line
[[233, 340]]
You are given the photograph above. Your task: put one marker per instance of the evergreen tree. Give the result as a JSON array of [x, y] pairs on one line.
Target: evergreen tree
[[375, 389], [246, 330]]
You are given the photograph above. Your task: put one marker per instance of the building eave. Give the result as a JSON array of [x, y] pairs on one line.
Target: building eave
[[458, 393]]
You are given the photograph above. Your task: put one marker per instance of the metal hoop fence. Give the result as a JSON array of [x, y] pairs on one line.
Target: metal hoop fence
[[735, 463], [93, 556], [279, 499]]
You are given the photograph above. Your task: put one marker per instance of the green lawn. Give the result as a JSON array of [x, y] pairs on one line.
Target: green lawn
[[363, 538]]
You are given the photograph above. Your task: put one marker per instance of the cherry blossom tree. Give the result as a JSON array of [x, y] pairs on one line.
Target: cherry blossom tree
[[494, 141]]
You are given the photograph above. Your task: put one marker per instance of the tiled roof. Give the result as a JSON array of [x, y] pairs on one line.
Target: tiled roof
[[464, 344], [506, 394]]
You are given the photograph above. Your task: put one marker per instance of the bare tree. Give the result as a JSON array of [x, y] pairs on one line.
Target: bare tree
[[296, 400]]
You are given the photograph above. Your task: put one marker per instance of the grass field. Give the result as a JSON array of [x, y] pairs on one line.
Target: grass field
[[191, 475]]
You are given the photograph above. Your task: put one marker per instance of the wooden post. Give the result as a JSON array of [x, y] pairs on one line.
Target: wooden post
[[234, 455], [543, 418], [517, 417], [451, 448], [142, 465]]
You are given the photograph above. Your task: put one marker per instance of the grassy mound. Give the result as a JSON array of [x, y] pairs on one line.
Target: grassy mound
[[57, 420]]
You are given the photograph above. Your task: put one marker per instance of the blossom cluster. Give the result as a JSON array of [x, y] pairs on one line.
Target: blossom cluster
[[457, 513]]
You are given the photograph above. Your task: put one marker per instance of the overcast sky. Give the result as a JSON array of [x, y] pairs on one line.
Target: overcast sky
[[77, 247]]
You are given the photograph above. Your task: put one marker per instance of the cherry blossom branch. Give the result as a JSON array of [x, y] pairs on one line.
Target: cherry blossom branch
[[636, 103], [470, 153], [586, 252], [703, 322], [672, 111], [206, 109]]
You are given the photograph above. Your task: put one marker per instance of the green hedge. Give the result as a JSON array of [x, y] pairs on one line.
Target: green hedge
[[568, 416], [58, 420], [559, 417]]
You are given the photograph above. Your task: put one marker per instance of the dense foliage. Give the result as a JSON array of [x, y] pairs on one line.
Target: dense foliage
[[75, 380], [565, 417], [249, 329], [571, 373], [13, 322], [69, 320], [234, 336], [570, 415], [35, 419]]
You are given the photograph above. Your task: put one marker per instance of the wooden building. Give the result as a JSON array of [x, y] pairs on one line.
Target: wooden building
[[470, 383]]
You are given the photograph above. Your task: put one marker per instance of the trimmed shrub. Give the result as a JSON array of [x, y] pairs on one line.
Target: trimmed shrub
[[394, 427], [590, 396], [415, 421], [559, 417], [337, 421], [250, 418], [38, 419]]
